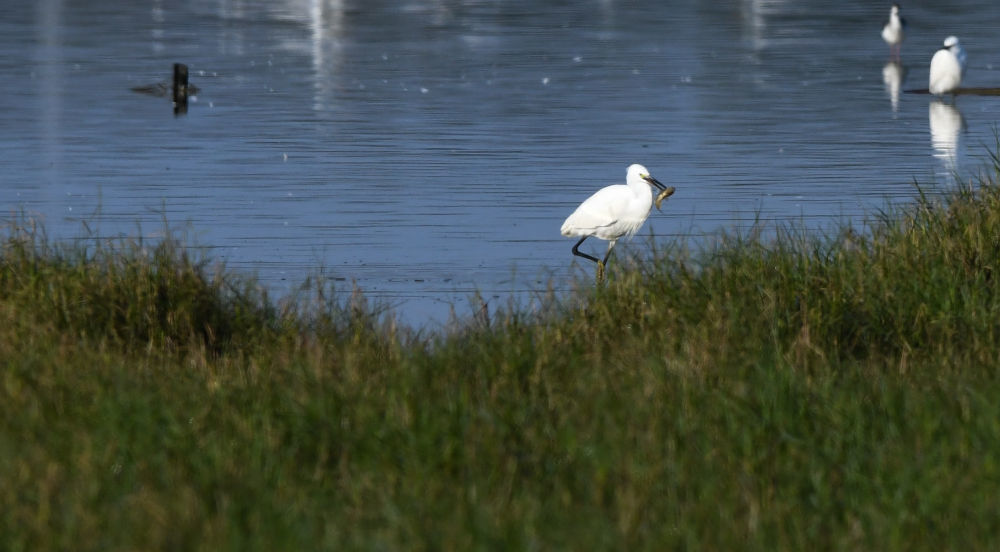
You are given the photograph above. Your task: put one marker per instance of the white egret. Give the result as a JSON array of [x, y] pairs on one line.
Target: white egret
[[947, 68], [613, 212], [893, 31]]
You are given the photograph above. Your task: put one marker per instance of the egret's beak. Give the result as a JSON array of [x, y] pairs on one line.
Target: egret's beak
[[653, 182]]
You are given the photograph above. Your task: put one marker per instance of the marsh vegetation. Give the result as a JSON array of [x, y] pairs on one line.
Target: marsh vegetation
[[765, 392]]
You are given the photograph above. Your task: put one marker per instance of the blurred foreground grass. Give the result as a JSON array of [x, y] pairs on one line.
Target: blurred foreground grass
[[838, 392]]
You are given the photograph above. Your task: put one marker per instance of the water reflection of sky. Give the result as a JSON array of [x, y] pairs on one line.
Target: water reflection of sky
[[424, 147]]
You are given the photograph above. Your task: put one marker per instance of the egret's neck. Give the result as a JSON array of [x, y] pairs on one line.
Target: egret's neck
[[639, 187]]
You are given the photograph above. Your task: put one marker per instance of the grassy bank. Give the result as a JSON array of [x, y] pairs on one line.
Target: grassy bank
[[837, 392]]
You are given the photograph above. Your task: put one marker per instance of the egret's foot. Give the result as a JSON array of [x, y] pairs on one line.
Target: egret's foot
[[600, 272], [664, 195]]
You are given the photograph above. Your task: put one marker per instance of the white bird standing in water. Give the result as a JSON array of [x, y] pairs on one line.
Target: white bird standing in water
[[893, 31], [613, 212], [947, 68]]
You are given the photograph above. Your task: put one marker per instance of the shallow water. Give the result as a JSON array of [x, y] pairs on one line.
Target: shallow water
[[424, 150]]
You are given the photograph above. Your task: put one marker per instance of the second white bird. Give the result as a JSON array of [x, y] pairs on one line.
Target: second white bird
[[947, 68]]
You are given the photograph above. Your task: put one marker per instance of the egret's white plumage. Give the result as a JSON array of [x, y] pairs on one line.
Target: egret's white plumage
[[893, 30], [947, 68], [613, 212]]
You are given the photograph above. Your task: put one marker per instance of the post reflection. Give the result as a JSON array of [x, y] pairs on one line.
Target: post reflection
[[326, 30]]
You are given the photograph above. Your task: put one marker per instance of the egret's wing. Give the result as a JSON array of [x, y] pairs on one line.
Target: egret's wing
[[598, 211]]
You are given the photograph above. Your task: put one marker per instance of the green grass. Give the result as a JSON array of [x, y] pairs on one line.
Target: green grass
[[800, 391]]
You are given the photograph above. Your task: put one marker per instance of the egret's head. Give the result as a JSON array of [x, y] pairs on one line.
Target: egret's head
[[895, 8], [638, 171], [951, 41]]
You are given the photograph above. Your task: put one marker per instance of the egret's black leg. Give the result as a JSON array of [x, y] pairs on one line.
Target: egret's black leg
[[608, 254], [578, 253], [603, 263]]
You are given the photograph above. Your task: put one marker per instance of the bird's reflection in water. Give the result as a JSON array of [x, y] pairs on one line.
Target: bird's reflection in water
[[893, 75], [946, 123]]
